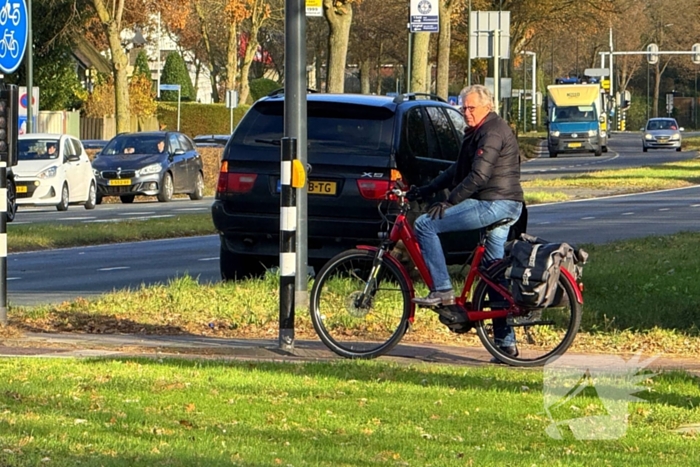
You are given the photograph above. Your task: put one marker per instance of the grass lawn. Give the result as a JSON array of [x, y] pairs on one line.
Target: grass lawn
[[211, 413]]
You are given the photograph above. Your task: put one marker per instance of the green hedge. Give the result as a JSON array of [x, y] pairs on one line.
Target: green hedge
[[261, 87], [199, 119]]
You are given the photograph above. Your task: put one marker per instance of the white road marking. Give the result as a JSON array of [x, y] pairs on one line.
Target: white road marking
[[193, 209], [209, 259], [544, 223], [136, 213], [13, 278], [664, 209], [627, 214], [587, 218], [695, 205], [77, 218], [116, 268]]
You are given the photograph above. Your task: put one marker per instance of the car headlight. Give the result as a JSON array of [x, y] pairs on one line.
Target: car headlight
[[96, 173], [675, 137], [647, 136], [554, 133], [48, 173], [149, 169], [592, 132]]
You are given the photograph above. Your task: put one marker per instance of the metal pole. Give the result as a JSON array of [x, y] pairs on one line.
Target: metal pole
[[158, 59], [524, 100], [648, 90], [179, 90], [410, 61], [533, 102], [612, 76], [30, 69], [3, 243], [469, 48], [496, 70], [288, 229]]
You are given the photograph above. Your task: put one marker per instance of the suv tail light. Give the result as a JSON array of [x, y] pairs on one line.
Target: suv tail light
[[232, 182], [373, 189]]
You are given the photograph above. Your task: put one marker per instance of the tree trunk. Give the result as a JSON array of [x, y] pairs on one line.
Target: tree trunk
[[207, 45], [339, 17], [250, 51], [364, 77], [419, 62], [120, 62], [443, 52], [232, 56]]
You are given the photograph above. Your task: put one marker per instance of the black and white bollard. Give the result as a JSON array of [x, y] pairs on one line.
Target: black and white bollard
[[292, 176]]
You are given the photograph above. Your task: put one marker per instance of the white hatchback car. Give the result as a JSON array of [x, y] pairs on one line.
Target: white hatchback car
[[53, 170]]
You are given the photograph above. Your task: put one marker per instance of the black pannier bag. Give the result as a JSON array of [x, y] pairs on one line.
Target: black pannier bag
[[534, 266]]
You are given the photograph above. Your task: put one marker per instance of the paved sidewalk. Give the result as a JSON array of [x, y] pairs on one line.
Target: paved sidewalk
[[67, 345]]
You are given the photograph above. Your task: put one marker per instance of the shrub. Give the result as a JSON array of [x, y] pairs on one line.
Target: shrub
[[261, 87], [199, 119], [175, 72]]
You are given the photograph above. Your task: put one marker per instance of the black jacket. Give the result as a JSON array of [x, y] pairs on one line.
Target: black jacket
[[488, 166]]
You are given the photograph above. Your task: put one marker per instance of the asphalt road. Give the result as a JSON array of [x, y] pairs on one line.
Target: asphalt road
[[52, 276]]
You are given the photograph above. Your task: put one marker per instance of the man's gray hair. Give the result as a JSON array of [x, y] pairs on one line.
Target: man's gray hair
[[485, 96]]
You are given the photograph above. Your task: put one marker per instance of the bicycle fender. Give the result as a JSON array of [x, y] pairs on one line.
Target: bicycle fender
[[570, 278], [404, 273]]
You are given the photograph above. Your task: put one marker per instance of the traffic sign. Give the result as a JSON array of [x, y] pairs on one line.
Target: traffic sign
[[652, 56], [13, 35], [314, 8], [696, 54], [169, 87], [424, 16]]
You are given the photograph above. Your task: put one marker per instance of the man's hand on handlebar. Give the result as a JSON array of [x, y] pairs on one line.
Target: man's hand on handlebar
[[417, 193]]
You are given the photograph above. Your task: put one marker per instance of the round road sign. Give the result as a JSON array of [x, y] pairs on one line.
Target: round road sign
[[13, 34]]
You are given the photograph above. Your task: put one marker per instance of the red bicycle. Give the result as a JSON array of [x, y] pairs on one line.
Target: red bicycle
[[361, 300]]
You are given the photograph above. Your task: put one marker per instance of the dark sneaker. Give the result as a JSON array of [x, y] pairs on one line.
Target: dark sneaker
[[444, 298], [509, 350]]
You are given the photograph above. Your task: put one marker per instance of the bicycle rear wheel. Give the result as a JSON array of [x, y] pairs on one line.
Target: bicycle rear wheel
[[359, 311], [540, 334]]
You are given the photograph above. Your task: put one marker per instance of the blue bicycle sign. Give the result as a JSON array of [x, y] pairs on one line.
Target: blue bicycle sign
[[13, 34]]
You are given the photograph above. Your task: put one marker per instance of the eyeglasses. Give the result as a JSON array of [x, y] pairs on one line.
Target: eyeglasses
[[470, 108]]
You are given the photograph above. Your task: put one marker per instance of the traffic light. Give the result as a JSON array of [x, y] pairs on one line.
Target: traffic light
[[8, 124]]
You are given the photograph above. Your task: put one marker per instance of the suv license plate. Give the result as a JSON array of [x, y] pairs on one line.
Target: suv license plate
[[21, 189], [322, 188], [120, 182], [574, 145]]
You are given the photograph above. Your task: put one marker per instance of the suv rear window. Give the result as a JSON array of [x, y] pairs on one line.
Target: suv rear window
[[330, 124]]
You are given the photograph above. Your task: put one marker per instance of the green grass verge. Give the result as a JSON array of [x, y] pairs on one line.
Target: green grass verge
[[28, 237], [212, 413], [640, 295], [635, 180]]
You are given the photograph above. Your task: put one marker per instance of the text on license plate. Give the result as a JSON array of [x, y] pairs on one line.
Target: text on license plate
[[120, 182], [322, 188], [21, 189], [574, 145]]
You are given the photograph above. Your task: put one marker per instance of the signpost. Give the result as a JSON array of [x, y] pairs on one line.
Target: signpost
[[173, 87], [424, 16], [13, 43], [231, 103]]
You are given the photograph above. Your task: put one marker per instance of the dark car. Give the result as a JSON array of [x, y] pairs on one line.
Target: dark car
[[94, 143], [161, 163], [211, 141], [357, 144]]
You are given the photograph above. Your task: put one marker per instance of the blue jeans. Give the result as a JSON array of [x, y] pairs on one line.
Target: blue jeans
[[470, 214]]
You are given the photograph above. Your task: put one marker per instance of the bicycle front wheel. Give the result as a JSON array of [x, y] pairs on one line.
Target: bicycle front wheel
[[359, 309], [540, 334]]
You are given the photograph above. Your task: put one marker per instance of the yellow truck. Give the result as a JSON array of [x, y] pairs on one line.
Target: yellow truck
[[576, 120]]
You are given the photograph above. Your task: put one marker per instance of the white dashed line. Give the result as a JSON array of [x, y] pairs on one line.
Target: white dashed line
[[209, 259], [13, 278], [664, 209], [136, 213], [695, 205], [77, 218], [193, 209], [627, 214], [116, 268], [544, 223], [587, 218]]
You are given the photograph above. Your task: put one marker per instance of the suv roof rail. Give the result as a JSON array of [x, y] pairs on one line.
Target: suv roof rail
[[411, 96], [279, 91]]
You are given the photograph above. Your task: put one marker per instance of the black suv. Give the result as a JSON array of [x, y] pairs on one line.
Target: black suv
[[357, 144]]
